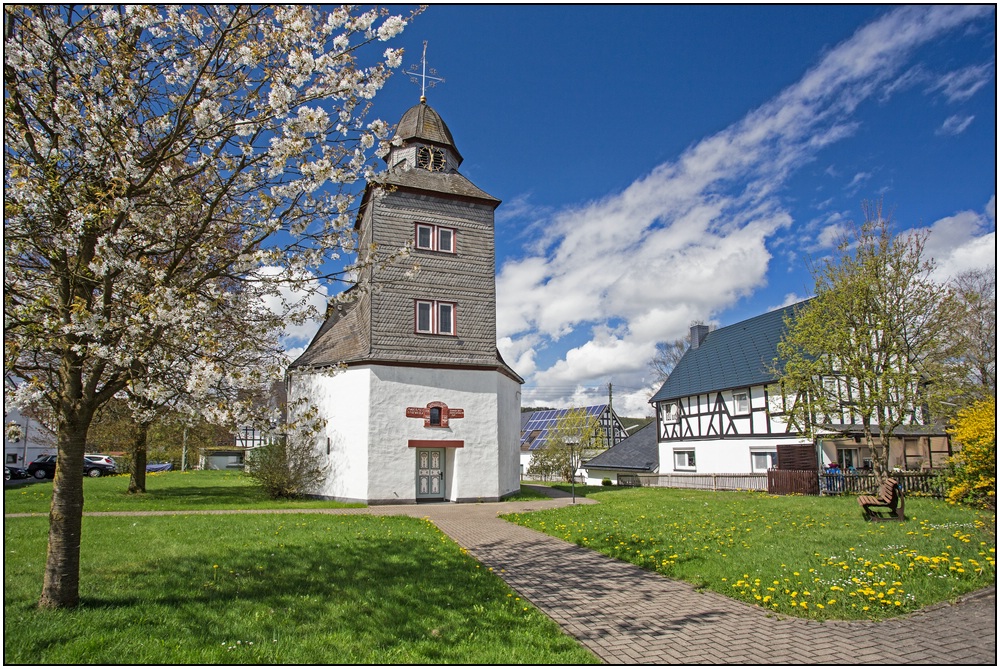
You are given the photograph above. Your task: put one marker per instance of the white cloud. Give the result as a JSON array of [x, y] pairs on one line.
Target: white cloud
[[962, 84], [306, 292], [955, 125], [964, 241], [858, 179], [690, 238]]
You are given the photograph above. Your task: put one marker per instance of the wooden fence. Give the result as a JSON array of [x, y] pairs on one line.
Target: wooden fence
[[861, 483], [706, 481], [793, 482], [801, 482]]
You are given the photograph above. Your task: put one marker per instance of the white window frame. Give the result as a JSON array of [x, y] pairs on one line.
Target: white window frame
[[689, 462], [855, 457], [773, 459], [436, 233], [442, 317], [670, 413], [741, 403]]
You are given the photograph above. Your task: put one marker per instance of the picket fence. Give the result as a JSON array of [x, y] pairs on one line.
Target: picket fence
[[802, 482]]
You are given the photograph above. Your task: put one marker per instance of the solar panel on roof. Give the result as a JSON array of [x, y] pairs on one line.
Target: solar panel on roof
[[540, 422]]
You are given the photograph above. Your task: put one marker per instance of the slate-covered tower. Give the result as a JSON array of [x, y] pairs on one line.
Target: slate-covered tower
[[426, 409]]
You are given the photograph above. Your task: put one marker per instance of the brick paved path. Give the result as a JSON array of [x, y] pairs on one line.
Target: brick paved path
[[626, 615]]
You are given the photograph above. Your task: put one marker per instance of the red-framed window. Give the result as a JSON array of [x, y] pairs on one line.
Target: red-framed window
[[429, 237], [435, 317]]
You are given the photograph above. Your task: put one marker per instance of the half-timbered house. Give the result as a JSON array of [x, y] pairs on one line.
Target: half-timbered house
[[721, 410], [423, 407]]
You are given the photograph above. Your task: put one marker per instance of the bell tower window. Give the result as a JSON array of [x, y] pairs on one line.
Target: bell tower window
[[435, 238], [431, 158], [433, 317]]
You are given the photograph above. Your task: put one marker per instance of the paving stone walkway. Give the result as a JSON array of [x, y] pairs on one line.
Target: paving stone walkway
[[626, 615]]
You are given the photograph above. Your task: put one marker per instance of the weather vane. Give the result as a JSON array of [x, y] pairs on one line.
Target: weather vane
[[425, 79]]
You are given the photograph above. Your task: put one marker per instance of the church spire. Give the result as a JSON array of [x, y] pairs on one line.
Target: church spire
[[423, 77]]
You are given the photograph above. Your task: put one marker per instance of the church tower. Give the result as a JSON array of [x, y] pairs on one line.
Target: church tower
[[422, 406]]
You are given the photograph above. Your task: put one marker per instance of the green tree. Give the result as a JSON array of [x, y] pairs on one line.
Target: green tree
[[972, 473], [873, 346], [169, 171], [569, 440], [288, 465], [975, 330]]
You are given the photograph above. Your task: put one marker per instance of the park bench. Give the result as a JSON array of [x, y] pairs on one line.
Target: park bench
[[889, 497]]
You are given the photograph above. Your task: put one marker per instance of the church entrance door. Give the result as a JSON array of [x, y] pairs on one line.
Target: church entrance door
[[430, 473]]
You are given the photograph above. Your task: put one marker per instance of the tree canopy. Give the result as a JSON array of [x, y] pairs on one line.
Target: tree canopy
[[172, 174], [873, 347], [572, 436]]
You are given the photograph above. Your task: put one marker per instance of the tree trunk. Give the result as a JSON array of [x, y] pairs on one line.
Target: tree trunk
[[137, 482], [61, 584], [880, 455]]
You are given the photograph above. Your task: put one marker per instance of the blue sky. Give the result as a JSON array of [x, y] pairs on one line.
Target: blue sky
[[665, 164]]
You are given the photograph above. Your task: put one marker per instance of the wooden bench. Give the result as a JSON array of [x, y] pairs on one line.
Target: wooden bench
[[889, 497]]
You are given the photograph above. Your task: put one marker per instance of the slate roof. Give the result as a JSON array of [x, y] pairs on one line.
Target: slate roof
[[421, 122], [346, 342], [448, 183], [736, 356], [638, 452]]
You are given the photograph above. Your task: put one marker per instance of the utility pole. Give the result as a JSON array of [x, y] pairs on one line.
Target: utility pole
[[609, 434]]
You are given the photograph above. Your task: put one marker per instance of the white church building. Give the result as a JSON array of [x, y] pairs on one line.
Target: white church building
[[417, 402]]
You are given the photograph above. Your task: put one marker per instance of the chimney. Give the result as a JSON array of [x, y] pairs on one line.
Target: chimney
[[698, 334]]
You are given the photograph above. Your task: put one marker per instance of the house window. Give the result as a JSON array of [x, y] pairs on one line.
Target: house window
[[435, 238], [435, 417], [671, 414], [433, 317], [11, 458], [741, 403], [684, 460], [848, 458], [761, 461]]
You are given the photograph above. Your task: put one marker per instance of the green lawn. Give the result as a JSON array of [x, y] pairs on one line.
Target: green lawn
[[270, 589], [165, 491], [811, 557]]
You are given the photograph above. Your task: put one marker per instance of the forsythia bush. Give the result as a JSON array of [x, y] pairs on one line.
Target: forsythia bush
[[972, 473]]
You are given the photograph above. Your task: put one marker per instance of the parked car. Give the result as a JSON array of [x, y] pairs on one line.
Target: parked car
[[43, 468], [14, 472], [100, 460], [93, 465]]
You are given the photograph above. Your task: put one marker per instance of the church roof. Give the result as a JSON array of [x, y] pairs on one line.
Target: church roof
[[422, 123], [448, 183], [736, 356], [333, 345]]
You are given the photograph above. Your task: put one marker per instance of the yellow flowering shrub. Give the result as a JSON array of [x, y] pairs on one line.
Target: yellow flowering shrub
[[972, 473]]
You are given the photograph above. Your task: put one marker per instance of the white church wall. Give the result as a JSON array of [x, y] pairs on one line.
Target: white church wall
[[471, 471], [343, 398], [509, 434]]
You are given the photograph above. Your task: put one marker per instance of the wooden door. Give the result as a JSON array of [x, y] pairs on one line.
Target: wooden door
[[430, 473]]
